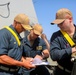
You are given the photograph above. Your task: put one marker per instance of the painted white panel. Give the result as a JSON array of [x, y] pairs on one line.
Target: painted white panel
[[10, 8]]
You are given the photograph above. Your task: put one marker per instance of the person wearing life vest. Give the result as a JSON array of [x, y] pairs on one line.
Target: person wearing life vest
[[61, 50], [11, 46]]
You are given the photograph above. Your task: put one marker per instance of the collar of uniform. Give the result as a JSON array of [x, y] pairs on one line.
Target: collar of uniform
[[11, 26], [26, 41]]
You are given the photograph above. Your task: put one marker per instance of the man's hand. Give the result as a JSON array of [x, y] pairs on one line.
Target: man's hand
[[45, 53], [27, 63], [38, 56]]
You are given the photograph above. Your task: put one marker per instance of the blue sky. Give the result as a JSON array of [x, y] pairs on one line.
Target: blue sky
[[46, 10]]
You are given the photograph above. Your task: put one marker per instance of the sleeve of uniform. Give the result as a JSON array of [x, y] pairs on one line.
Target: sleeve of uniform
[[59, 49], [4, 40], [43, 44]]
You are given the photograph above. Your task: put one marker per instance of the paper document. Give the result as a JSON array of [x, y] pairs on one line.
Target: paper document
[[38, 61]]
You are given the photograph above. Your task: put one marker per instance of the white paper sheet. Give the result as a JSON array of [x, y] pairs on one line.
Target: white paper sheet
[[38, 61]]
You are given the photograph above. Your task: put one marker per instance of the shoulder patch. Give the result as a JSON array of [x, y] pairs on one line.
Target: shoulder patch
[[39, 48]]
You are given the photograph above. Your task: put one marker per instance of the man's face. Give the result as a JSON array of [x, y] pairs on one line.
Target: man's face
[[33, 36], [65, 25], [19, 27]]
